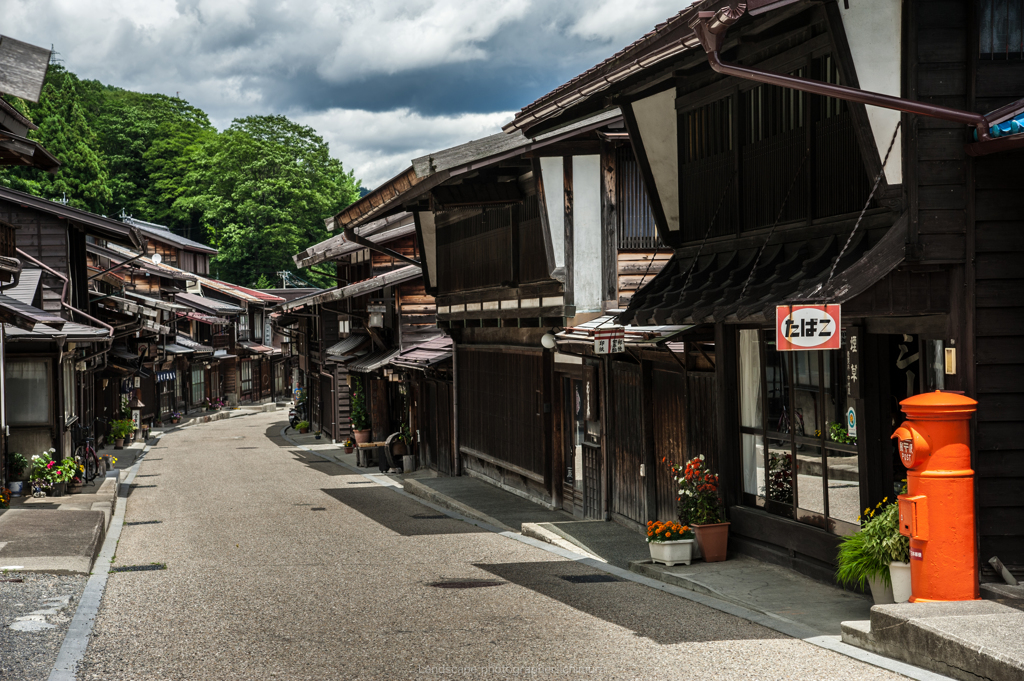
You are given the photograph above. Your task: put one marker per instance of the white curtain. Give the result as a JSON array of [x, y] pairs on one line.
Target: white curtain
[[28, 392], [750, 405]]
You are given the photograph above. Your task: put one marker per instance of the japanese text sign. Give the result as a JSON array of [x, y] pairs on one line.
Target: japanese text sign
[[609, 340], [808, 327]]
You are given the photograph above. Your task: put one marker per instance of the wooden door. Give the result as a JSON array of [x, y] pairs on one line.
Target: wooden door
[[379, 421], [626, 486], [668, 410]]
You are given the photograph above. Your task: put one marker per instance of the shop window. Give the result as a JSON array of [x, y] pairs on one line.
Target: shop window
[[29, 379], [70, 392], [257, 326], [798, 460]]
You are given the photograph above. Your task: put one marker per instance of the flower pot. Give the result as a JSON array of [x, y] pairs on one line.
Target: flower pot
[[16, 488], [119, 443], [672, 552], [399, 449], [361, 436], [900, 575], [303, 431], [713, 541], [57, 489], [348, 450], [881, 593]]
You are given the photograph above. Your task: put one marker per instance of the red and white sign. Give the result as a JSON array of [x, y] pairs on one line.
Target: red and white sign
[[916, 554], [609, 340], [807, 327]]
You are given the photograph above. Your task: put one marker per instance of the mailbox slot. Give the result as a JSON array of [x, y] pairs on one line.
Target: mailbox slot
[[914, 517]]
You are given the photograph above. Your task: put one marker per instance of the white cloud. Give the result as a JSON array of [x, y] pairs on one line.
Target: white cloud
[[620, 23], [379, 145]]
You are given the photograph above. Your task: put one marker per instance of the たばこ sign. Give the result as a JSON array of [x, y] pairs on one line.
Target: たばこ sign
[[807, 327]]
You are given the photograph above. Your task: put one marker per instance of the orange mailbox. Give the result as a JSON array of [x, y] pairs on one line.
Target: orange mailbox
[[937, 512]]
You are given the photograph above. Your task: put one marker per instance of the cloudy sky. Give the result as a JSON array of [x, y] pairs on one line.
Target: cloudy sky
[[383, 81]]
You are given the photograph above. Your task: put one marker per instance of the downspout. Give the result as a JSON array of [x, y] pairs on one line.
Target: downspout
[[64, 292], [457, 469], [710, 28]]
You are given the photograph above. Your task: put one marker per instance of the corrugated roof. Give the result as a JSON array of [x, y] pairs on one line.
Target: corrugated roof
[[396, 276], [347, 346], [209, 305], [261, 295], [229, 290], [103, 225], [381, 231], [27, 288], [425, 354], [72, 330], [162, 233], [372, 361]]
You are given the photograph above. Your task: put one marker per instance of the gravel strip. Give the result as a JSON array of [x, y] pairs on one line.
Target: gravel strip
[[34, 617]]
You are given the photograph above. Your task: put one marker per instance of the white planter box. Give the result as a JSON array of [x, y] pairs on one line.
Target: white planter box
[[672, 552]]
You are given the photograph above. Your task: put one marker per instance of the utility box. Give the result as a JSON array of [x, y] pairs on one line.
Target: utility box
[[937, 512]]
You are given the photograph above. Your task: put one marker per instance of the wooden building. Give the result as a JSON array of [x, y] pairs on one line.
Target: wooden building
[[54, 364], [397, 356], [522, 236], [841, 153]]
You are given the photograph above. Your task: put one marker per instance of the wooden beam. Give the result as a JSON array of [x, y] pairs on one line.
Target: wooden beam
[[609, 225]]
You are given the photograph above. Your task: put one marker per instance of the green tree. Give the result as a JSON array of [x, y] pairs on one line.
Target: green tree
[[263, 188], [263, 282], [64, 131]]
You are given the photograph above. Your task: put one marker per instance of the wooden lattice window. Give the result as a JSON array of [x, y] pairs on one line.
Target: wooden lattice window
[[1001, 29]]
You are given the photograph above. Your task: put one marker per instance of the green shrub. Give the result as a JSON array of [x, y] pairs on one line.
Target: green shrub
[[867, 553]]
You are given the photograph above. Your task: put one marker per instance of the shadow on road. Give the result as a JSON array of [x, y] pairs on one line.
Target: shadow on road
[[663, 619], [320, 465], [399, 514]]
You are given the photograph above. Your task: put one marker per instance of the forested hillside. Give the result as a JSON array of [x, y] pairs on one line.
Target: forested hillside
[[257, 191]]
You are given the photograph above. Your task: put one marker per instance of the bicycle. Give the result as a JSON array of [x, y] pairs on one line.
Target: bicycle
[[85, 455]]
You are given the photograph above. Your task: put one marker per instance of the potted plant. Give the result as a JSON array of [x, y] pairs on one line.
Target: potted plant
[[318, 435], [302, 427], [17, 464], [175, 417], [51, 476], [701, 508], [5, 497], [120, 429], [402, 442], [670, 542], [349, 445], [877, 556], [360, 417]]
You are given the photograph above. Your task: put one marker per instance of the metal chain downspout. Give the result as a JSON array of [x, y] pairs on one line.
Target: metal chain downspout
[[867, 203]]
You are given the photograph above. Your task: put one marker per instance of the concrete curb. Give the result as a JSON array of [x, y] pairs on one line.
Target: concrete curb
[[536, 531], [72, 650], [418, 489]]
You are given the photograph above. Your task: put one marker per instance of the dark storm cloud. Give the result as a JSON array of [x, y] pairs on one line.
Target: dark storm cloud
[[355, 69]]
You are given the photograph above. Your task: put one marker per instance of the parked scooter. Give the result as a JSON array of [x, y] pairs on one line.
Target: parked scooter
[[296, 414]]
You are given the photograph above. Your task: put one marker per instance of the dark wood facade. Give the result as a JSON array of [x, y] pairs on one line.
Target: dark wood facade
[[762, 195]]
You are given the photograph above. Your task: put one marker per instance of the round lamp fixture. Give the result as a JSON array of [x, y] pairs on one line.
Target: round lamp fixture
[[548, 341]]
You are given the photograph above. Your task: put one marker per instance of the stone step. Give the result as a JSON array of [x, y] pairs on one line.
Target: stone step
[[967, 640]]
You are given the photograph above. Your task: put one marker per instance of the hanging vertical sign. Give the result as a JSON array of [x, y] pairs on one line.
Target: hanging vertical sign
[[609, 340], [807, 327]]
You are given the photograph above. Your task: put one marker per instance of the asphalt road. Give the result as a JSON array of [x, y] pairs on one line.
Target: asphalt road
[[281, 565]]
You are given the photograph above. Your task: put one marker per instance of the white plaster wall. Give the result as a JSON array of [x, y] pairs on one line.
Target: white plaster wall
[[586, 233], [656, 120], [429, 231], [874, 30], [553, 179]]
